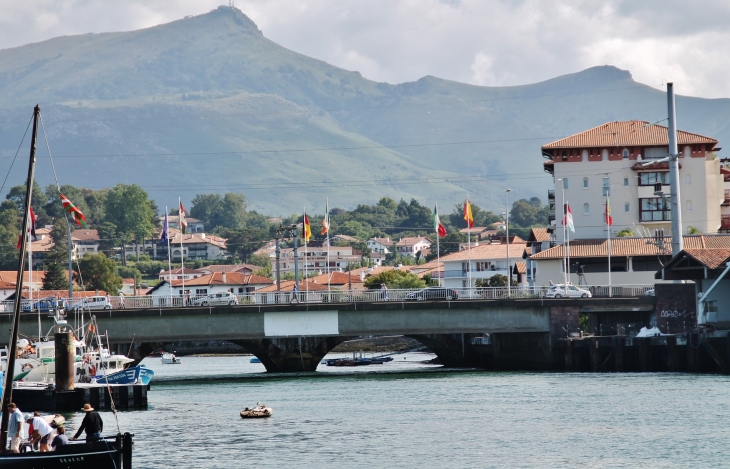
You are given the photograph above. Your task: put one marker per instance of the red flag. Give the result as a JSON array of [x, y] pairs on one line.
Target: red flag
[[609, 218], [468, 217], [78, 217]]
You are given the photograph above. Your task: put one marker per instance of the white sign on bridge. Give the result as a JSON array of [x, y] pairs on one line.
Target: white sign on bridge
[[299, 324]]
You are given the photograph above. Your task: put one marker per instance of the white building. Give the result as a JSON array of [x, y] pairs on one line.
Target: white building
[[484, 261], [315, 259], [380, 245], [181, 273], [218, 282], [608, 160], [410, 246], [194, 225]]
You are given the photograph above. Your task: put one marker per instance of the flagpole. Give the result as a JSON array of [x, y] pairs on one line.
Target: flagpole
[[304, 229], [182, 251], [567, 233], [438, 250], [169, 254], [468, 240], [329, 247], [608, 241]]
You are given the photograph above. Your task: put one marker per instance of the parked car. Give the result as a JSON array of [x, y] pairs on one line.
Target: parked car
[[44, 305], [650, 292], [92, 303], [225, 298], [434, 293], [559, 291]]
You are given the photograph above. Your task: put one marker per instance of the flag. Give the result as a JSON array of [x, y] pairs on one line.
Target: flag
[[437, 226], [468, 216], [78, 217], [182, 221], [165, 229], [568, 219], [33, 220], [307, 229], [326, 220], [609, 218]]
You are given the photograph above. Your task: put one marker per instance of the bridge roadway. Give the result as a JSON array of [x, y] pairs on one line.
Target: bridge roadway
[[292, 337]]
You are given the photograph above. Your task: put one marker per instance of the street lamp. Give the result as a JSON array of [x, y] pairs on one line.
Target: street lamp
[[506, 228]]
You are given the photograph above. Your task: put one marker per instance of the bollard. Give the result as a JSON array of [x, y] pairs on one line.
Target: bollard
[[65, 350]]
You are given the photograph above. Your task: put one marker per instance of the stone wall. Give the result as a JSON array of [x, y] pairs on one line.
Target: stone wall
[[676, 307], [561, 318]]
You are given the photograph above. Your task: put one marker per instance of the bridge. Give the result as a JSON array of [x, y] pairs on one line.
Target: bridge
[[521, 332]]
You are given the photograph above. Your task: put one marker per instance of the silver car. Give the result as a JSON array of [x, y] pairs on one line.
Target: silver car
[[225, 298], [559, 291]]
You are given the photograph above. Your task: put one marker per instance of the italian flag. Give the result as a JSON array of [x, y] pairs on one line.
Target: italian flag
[[437, 226]]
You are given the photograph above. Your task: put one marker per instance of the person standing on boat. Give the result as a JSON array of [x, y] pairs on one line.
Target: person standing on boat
[[15, 427], [92, 425], [41, 432]]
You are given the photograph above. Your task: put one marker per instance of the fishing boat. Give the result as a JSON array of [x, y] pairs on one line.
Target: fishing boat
[[112, 452], [132, 375], [259, 411], [170, 359]]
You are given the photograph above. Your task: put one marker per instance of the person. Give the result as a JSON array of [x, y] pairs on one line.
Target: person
[[121, 300], [384, 290], [61, 438], [15, 427], [92, 425], [551, 283], [41, 432]]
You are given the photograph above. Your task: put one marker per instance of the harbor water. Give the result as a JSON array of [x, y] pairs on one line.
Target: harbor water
[[406, 414]]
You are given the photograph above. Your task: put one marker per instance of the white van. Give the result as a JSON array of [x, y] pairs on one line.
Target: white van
[[92, 303]]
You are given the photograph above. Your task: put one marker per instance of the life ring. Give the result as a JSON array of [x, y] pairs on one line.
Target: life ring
[[27, 367]]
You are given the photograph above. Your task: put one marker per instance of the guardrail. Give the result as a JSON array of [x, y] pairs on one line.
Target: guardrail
[[355, 296]]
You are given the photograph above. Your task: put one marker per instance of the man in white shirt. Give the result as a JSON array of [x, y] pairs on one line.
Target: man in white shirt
[[15, 427], [41, 431]]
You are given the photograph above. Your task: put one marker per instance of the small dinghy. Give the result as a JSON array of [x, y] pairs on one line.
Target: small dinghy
[[258, 412]]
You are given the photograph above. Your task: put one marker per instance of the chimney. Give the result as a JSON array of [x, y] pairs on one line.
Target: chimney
[[224, 277]]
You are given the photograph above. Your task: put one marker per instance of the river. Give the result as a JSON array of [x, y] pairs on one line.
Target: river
[[406, 414]]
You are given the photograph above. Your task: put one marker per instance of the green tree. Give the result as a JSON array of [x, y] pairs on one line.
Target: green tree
[[481, 217], [107, 236], [625, 233], [99, 273], [128, 207], [129, 272], [394, 279], [244, 242], [497, 280], [39, 201], [260, 260], [9, 231], [56, 277], [54, 207], [206, 207]]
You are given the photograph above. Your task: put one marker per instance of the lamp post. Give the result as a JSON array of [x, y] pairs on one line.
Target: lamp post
[[506, 228], [562, 210]]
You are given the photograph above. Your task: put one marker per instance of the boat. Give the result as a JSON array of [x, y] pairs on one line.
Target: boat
[[132, 375], [259, 411], [110, 452], [170, 359], [255, 360]]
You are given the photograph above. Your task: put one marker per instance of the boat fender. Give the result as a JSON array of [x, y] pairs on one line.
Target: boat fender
[[27, 367]]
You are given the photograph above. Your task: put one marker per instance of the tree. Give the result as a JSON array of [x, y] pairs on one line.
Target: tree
[[56, 277], [497, 280], [260, 260], [99, 273], [244, 242], [39, 201], [107, 236], [228, 211], [447, 244], [9, 231], [206, 207], [128, 207], [481, 217], [625, 233], [394, 279]]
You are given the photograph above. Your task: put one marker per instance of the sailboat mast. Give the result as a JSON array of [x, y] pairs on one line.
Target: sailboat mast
[[10, 368]]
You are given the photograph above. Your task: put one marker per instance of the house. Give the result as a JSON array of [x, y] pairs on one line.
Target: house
[[6, 289], [410, 246], [240, 268], [217, 282], [194, 225], [539, 240], [614, 160], [85, 242], [197, 246], [40, 245], [380, 245], [129, 286], [634, 261], [181, 273], [31, 280], [484, 261], [344, 238], [316, 259], [479, 233]]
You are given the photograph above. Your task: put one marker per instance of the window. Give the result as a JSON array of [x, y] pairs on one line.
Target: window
[[625, 154], [201, 291], [649, 179], [656, 152], [585, 155], [565, 183], [465, 267], [627, 207], [604, 155], [626, 182], [654, 209], [565, 155], [688, 206], [585, 183], [606, 187], [688, 180], [586, 209], [687, 151], [482, 266]]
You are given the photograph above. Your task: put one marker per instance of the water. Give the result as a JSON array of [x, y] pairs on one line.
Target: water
[[410, 415]]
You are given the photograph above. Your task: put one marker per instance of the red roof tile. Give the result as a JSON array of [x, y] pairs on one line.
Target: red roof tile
[[622, 247]]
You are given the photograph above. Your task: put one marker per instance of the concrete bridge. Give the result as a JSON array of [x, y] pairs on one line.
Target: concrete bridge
[[295, 337]]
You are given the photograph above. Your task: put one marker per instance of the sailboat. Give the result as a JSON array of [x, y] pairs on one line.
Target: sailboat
[[109, 452]]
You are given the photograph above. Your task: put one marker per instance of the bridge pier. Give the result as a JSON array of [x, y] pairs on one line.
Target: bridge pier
[[291, 354], [522, 351]]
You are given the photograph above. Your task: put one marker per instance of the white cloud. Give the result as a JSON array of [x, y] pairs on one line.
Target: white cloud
[[492, 42]]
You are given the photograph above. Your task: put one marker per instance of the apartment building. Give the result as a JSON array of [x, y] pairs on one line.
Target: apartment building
[[484, 261]]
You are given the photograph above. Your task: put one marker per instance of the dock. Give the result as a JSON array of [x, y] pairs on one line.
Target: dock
[[48, 399]]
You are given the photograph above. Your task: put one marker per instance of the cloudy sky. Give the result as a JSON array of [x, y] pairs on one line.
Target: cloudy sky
[[485, 42]]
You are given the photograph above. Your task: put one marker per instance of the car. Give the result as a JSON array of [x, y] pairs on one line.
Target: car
[[650, 292], [224, 298], [559, 291], [92, 303], [44, 305], [434, 293]]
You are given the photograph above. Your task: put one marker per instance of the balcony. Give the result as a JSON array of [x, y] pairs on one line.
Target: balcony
[[726, 201], [725, 222], [474, 273]]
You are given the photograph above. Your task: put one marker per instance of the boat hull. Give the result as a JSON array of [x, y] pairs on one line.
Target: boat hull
[[131, 375], [108, 453]]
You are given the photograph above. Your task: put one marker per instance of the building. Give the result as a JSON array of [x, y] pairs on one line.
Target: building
[[485, 260], [539, 240], [316, 259], [218, 282], [194, 225], [343, 238], [380, 245], [410, 246], [634, 261], [85, 242], [240, 268], [615, 159], [181, 273]]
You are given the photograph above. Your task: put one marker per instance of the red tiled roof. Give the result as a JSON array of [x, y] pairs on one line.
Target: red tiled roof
[[521, 267], [336, 278], [231, 267], [712, 258], [486, 251], [232, 278], [540, 234], [288, 285], [622, 247], [627, 133], [85, 235]]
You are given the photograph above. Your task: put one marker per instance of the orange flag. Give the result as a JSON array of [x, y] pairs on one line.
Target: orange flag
[[468, 216]]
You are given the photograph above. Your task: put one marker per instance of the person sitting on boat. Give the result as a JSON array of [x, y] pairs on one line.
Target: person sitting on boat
[[41, 432], [92, 425], [61, 439], [15, 427]]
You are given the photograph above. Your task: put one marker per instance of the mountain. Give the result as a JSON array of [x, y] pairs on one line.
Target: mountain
[[208, 104]]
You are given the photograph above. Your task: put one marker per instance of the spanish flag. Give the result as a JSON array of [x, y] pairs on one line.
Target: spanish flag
[[468, 217], [307, 229]]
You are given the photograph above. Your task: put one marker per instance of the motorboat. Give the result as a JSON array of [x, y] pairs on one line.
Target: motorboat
[[170, 359], [259, 411], [132, 375]]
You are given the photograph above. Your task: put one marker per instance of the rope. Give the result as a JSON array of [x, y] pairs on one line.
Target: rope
[[108, 386], [16, 155]]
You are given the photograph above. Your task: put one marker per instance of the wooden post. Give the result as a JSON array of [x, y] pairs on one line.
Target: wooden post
[[595, 356], [569, 356], [672, 359], [618, 352]]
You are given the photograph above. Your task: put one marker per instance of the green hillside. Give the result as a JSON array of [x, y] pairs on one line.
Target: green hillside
[[208, 104]]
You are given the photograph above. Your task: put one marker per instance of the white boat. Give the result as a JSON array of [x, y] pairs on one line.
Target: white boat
[[170, 359]]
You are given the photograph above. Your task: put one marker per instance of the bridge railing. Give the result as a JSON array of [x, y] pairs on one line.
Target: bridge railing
[[359, 296]]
